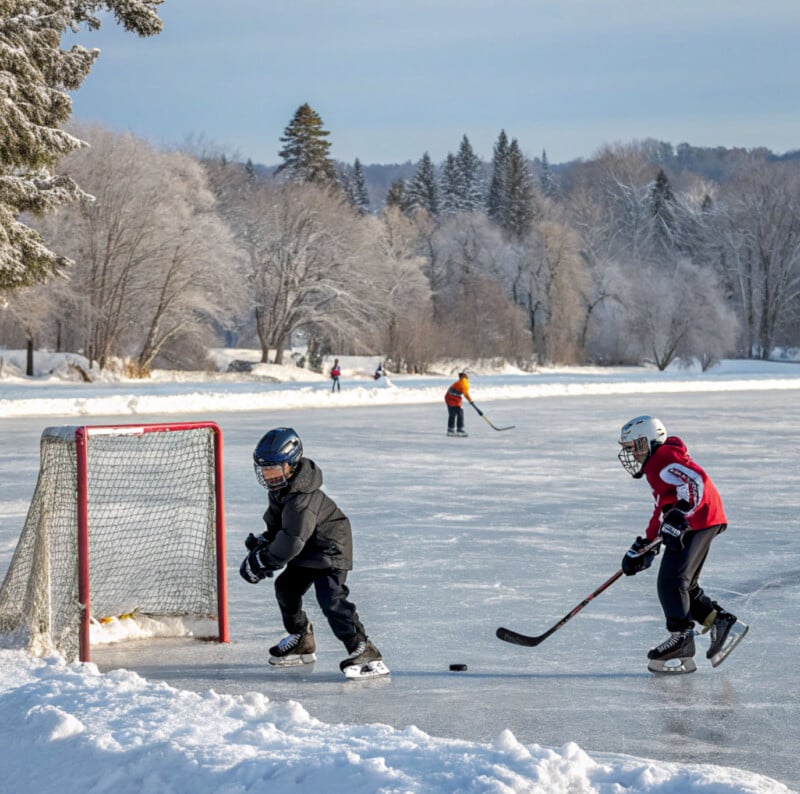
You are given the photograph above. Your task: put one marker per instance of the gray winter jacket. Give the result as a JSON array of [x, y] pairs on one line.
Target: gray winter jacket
[[304, 525]]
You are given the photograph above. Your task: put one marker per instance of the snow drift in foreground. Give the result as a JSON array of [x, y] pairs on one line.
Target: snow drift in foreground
[[93, 732]]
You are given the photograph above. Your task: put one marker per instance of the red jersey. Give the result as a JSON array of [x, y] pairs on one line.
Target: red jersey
[[674, 477]]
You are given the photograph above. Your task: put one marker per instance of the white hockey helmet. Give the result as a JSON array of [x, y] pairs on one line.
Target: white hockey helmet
[[638, 438]]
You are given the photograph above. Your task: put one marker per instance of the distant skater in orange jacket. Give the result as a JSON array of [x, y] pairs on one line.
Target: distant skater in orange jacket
[[455, 413]]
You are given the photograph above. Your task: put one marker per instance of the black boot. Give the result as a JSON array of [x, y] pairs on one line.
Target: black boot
[[294, 649], [679, 645], [720, 628], [361, 651]]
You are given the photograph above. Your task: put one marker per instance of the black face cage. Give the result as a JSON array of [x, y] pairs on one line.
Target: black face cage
[[274, 485]]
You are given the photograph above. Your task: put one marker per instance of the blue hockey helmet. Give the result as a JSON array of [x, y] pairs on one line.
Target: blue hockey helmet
[[276, 457]]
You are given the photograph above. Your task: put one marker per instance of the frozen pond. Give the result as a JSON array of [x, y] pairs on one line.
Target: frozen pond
[[455, 537]]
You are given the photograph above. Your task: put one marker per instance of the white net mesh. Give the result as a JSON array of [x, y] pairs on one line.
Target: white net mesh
[[152, 524]]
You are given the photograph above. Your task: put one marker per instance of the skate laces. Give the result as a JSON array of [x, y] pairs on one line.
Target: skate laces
[[360, 648], [289, 642], [673, 641]]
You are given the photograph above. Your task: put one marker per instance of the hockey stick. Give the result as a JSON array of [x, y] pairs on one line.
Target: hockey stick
[[514, 637], [485, 419]]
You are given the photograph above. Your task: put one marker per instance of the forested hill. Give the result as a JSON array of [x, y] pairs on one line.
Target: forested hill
[[716, 163]]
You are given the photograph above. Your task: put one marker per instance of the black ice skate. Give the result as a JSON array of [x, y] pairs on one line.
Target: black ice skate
[[364, 661], [674, 655], [726, 633], [294, 649]]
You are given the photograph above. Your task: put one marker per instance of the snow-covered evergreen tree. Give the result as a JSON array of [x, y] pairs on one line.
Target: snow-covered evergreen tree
[[521, 196], [661, 203], [305, 152], [35, 76], [354, 186], [451, 186], [497, 202], [422, 191], [360, 194], [396, 195], [470, 175], [546, 182]]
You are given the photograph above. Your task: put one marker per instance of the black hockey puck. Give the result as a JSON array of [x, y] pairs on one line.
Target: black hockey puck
[[458, 668]]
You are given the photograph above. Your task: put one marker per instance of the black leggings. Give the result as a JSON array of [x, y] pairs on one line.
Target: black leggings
[[679, 592], [331, 591]]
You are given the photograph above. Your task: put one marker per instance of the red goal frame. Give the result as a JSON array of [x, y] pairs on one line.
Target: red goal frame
[[82, 436]]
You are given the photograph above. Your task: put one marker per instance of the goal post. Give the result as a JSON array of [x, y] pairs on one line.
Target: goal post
[[126, 520]]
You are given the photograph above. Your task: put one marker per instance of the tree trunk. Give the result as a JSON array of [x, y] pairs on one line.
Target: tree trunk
[[29, 358]]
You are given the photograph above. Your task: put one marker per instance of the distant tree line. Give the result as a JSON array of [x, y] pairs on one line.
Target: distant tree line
[[637, 255]]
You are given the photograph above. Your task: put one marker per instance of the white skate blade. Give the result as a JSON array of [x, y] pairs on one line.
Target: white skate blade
[[735, 636], [672, 666], [369, 670], [295, 660]]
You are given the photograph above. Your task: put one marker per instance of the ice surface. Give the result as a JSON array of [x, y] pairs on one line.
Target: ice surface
[[455, 537]]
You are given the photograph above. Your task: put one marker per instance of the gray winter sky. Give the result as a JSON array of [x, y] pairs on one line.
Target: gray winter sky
[[393, 79]]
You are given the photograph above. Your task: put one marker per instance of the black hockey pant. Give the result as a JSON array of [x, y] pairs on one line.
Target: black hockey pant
[[331, 591], [455, 417], [679, 592]]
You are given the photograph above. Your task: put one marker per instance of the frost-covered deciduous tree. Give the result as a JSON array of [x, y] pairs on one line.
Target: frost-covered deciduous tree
[[403, 328], [677, 312], [154, 264], [465, 263], [760, 228], [305, 153], [35, 76], [310, 261], [550, 281]]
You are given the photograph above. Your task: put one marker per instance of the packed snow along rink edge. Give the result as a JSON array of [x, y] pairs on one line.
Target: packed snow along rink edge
[[54, 391], [94, 732]]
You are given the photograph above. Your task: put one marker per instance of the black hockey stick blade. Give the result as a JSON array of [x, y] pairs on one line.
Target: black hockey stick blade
[[486, 419], [494, 427], [514, 637]]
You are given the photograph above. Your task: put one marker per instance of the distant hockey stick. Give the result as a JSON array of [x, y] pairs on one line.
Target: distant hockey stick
[[485, 419], [514, 637]]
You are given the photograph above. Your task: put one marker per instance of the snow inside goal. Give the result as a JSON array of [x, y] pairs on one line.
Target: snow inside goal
[[126, 521]]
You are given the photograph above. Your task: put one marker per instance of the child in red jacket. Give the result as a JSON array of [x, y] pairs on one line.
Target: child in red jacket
[[687, 516]]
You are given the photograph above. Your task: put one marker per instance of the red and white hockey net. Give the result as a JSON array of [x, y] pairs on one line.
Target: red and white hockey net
[[125, 521]]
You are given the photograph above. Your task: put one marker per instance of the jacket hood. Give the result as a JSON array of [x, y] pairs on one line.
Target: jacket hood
[[307, 478], [674, 446]]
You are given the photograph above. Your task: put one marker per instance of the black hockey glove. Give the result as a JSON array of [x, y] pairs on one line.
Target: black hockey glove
[[255, 566], [254, 541], [674, 527], [634, 561]]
